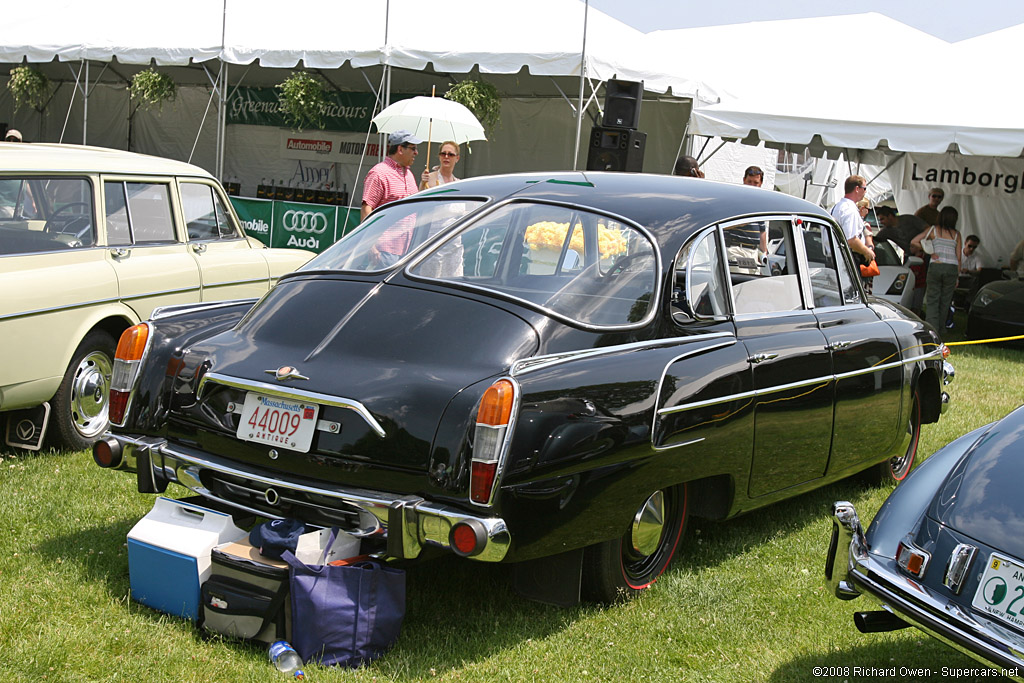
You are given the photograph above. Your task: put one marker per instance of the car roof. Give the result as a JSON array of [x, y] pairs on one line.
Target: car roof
[[47, 157], [671, 207]]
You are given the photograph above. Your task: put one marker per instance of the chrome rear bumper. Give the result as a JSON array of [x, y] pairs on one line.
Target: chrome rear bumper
[[408, 523], [851, 570]]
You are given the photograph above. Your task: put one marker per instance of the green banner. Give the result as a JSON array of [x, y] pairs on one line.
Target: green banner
[[256, 215], [294, 225], [344, 111]]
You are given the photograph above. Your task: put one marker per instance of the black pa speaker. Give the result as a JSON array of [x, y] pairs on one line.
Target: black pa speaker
[[614, 149], [622, 104]]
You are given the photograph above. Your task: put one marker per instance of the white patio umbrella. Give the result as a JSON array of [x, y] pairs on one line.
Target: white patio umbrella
[[431, 118]]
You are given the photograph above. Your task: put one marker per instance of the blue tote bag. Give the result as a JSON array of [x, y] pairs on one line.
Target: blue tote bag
[[344, 615]]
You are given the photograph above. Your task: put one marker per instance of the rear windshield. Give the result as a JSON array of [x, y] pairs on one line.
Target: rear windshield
[[582, 266], [390, 234]]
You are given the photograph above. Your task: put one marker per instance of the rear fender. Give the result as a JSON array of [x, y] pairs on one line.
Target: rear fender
[[169, 374]]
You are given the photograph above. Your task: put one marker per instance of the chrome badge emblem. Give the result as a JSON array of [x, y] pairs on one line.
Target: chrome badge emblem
[[285, 373]]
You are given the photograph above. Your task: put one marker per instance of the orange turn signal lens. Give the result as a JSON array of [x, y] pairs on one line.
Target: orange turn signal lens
[[133, 342], [496, 405]]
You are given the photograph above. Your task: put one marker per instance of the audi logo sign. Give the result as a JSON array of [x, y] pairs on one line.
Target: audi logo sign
[[304, 221]]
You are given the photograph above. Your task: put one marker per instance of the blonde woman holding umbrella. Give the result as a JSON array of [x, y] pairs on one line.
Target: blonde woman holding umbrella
[[443, 174]]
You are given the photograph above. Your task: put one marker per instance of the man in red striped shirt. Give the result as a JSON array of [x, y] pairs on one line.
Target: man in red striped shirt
[[391, 179]]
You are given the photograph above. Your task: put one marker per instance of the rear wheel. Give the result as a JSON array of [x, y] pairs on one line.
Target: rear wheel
[[624, 566], [896, 469], [81, 404]]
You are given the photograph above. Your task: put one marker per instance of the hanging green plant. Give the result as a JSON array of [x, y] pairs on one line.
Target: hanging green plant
[[302, 101], [151, 88], [28, 87], [479, 97]]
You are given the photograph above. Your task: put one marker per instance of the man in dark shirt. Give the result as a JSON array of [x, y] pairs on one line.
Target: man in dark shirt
[[929, 213], [898, 229]]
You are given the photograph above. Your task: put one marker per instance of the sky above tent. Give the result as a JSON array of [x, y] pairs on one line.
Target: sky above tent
[[951, 20]]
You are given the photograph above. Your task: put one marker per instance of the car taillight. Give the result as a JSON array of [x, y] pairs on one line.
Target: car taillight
[[492, 421], [127, 359], [912, 559]]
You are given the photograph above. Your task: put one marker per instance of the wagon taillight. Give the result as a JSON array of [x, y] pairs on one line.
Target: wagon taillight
[[492, 430], [127, 360]]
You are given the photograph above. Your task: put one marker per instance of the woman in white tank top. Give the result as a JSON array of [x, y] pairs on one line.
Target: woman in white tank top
[[943, 268]]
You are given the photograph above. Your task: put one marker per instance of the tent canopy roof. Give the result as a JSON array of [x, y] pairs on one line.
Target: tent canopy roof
[[857, 82], [539, 37]]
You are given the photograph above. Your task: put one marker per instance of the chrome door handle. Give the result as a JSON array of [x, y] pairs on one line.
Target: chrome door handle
[[119, 252], [199, 247], [762, 357], [839, 345]]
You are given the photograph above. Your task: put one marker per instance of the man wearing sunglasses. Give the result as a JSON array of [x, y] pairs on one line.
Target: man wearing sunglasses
[[929, 213], [391, 179]]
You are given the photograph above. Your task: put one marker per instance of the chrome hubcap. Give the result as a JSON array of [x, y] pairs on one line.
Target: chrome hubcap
[[90, 389], [648, 524]]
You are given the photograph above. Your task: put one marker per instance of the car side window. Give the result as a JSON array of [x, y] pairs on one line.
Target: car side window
[[205, 215], [138, 213], [699, 273], [762, 281], [832, 282], [45, 214]]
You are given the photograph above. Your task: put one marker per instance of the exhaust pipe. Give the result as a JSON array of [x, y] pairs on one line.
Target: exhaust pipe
[[878, 622]]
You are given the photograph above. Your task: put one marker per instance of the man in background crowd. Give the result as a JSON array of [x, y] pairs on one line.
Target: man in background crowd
[[13, 135], [929, 213], [898, 228], [391, 179], [687, 166], [970, 261]]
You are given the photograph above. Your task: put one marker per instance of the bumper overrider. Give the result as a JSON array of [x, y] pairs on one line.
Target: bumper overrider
[[852, 570], [407, 522]]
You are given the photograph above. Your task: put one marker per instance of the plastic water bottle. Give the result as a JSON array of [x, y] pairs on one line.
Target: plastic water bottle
[[286, 659]]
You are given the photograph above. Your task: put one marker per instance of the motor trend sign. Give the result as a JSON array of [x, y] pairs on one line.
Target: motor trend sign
[[957, 174]]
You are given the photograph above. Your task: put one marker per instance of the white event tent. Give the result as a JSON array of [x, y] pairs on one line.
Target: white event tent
[[535, 52], [875, 91]]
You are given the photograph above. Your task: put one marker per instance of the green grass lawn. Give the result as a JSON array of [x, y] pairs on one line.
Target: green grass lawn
[[744, 602]]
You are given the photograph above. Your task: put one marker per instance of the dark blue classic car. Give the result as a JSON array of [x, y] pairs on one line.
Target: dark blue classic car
[[554, 370], [945, 553]]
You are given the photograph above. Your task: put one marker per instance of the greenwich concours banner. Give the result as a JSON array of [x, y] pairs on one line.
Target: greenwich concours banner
[[345, 111], [958, 174]]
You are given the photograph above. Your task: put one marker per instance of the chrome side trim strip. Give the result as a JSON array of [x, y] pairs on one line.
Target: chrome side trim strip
[[94, 302], [273, 390], [678, 445], [178, 309], [794, 385], [521, 367]]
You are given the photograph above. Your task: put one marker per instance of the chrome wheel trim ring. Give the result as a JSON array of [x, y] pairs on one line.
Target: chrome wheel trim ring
[[90, 391], [648, 525]]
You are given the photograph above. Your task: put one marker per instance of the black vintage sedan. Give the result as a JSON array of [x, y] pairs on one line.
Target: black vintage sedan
[[553, 370], [945, 553]]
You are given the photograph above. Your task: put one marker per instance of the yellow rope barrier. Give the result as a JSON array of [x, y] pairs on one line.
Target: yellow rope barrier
[[985, 341]]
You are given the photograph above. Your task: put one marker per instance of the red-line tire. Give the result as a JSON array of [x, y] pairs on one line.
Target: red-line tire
[[622, 567]]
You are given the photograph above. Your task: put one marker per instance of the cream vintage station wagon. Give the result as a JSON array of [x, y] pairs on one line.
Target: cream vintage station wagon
[[92, 241]]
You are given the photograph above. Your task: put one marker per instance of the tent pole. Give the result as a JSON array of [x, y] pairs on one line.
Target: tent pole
[[583, 76], [85, 103], [222, 105]]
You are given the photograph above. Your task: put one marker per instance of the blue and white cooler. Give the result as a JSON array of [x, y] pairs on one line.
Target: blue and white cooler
[[169, 554]]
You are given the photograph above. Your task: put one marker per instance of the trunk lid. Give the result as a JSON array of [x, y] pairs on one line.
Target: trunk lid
[[400, 351]]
